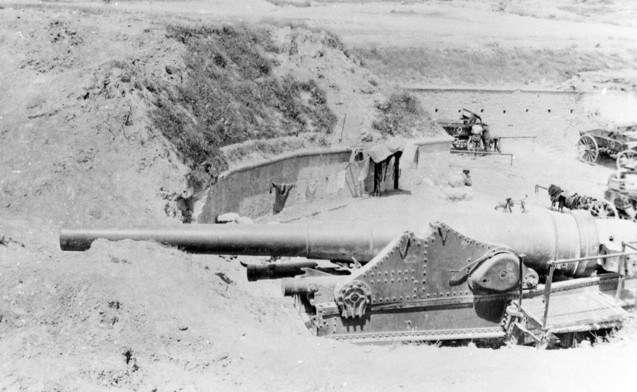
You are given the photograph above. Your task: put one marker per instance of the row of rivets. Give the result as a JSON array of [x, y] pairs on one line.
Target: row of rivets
[[393, 299]]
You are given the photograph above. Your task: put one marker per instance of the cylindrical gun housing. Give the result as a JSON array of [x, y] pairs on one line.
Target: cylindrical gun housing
[[291, 287], [277, 270], [546, 236], [540, 237]]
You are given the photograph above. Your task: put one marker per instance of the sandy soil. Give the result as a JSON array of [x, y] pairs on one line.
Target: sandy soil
[[429, 42], [138, 316], [74, 321], [78, 115]]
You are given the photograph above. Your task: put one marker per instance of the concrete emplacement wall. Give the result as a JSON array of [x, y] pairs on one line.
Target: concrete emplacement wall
[[316, 174], [555, 116], [246, 190]]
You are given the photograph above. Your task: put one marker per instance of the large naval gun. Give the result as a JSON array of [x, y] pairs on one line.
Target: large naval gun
[[545, 279]]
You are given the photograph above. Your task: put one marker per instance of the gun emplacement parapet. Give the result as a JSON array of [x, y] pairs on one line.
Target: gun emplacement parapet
[[480, 277]]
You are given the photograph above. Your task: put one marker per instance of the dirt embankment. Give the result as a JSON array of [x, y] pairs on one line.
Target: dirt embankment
[[79, 146], [112, 117], [129, 316], [83, 144], [229, 93], [496, 65]]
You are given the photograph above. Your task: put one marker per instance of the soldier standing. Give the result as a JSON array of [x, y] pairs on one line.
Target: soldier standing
[[486, 137], [523, 204], [496, 144]]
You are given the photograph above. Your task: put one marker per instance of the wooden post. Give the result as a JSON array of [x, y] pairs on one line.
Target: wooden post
[[340, 139], [397, 156], [521, 279], [547, 295], [621, 269]]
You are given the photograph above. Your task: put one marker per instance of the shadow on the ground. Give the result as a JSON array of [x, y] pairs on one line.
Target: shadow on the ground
[[395, 192], [606, 161]]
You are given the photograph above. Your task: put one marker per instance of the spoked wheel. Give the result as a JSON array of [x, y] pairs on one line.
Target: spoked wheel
[[587, 149], [626, 158]]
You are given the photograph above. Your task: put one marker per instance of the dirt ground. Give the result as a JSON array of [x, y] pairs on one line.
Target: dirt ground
[[78, 150]]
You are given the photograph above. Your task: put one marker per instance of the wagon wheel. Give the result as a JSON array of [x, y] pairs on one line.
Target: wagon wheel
[[587, 149], [625, 158], [602, 209]]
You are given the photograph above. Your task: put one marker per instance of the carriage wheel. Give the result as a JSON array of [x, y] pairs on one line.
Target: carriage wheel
[[625, 158], [587, 149]]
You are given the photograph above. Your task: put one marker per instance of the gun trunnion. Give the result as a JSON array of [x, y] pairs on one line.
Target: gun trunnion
[[479, 276]]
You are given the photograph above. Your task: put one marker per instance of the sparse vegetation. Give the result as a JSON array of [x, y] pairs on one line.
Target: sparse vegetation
[[491, 64], [230, 94], [261, 149], [402, 114]]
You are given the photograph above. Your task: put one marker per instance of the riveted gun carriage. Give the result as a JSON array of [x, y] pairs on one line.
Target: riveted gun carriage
[[533, 279]]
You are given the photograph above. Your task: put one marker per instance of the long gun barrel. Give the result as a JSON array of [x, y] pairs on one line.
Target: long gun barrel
[[541, 237], [309, 241]]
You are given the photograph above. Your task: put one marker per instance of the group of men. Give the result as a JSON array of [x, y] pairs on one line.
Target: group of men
[[480, 135]]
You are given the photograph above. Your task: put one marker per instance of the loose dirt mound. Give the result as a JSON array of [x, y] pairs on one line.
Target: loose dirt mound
[[78, 146], [129, 315]]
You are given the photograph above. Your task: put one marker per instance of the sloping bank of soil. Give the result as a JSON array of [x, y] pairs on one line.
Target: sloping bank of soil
[[229, 93], [112, 118], [254, 92], [82, 147]]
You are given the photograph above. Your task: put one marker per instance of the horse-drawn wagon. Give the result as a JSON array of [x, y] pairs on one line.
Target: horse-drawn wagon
[[619, 144]]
